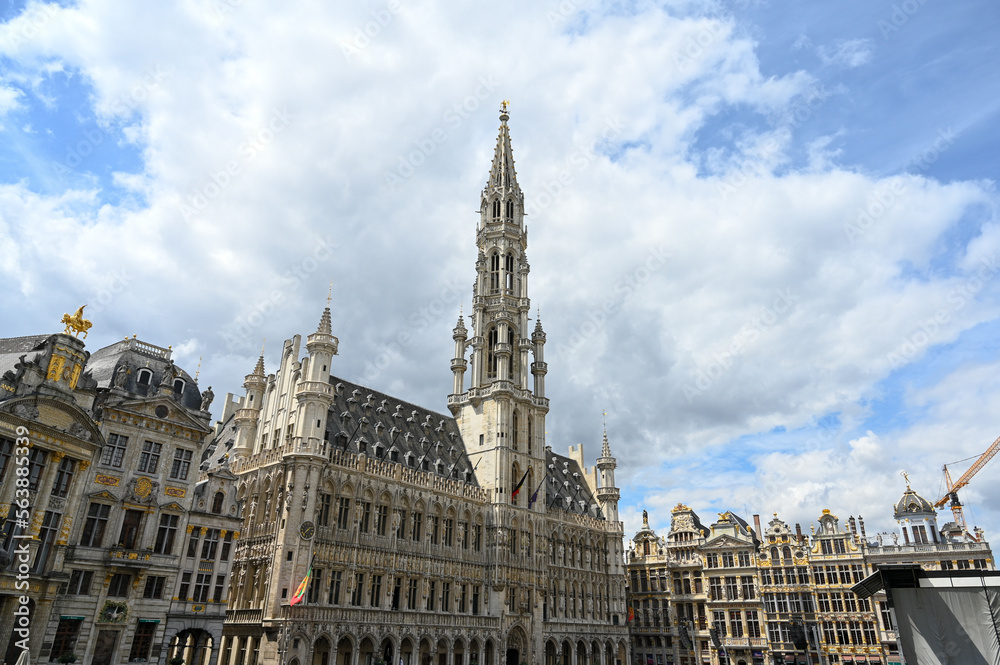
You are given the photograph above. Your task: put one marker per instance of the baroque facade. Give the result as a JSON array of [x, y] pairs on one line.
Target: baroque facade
[[425, 538], [735, 594], [105, 449]]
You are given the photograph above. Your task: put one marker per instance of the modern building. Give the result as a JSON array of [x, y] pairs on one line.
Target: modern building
[[113, 444], [424, 538]]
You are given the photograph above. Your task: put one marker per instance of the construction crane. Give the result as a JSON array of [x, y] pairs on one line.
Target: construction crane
[[952, 488]]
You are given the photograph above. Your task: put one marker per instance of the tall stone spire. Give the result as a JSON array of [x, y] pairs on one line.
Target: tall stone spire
[[502, 406], [502, 173]]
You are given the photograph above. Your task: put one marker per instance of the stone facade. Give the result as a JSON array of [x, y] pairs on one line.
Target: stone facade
[[427, 538], [746, 596], [115, 440]]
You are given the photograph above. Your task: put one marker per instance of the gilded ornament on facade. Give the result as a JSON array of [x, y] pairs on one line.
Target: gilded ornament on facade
[[76, 324], [101, 479]]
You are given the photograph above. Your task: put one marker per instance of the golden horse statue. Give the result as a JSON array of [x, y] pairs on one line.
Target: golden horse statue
[[76, 323]]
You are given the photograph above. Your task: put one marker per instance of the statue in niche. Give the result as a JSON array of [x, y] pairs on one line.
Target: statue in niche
[[121, 375]]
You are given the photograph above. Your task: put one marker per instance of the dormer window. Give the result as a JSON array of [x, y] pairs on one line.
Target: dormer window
[[178, 386], [145, 377], [394, 455], [217, 503]]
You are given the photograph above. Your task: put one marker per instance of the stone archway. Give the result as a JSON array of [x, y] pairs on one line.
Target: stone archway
[[345, 651], [366, 652], [550, 653], [517, 647], [406, 652], [322, 652], [458, 652]]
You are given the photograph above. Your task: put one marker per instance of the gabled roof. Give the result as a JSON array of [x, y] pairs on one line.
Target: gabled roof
[[566, 487], [366, 420]]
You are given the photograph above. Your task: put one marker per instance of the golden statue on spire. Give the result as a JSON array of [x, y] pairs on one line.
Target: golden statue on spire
[[76, 323], [504, 106]]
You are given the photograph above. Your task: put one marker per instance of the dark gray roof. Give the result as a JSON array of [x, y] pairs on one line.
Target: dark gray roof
[[12, 348], [566, 487], [388, 428], [137, 355]]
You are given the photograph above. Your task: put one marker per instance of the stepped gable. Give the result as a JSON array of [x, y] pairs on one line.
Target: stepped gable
[[561, 470], [397, 431]]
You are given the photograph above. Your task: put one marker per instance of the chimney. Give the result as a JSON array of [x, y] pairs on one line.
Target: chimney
[[854, 526], [861, 523], [756, 526], [798, 533]]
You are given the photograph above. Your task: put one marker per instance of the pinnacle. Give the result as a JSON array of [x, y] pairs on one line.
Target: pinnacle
[[325, 326], [606, 447], [259, 369]]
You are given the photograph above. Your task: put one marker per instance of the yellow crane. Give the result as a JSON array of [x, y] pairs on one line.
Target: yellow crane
[[952, 488]]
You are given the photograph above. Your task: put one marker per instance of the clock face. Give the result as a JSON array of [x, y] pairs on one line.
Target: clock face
[[307, 530]]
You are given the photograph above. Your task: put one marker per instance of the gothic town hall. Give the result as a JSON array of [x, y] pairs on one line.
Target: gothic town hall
[[424, 538]]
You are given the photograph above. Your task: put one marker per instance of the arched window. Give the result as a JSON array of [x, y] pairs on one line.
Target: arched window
[[512, 363], [510, 210], [178, 386], [491, 355], [645, 547], [495, 273], [774, 555], [509, 273], [217, 503], [496, 209], [786, 554], [514, 432], [145, 376]]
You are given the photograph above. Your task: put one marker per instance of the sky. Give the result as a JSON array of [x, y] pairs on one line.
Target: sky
[[763, 235]]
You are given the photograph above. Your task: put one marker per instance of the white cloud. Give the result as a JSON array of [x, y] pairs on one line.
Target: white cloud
[[697, 308], [847, 53]]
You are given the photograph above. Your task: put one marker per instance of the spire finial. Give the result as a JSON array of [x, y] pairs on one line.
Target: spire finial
[[329, 294], [198, 371], [906, 477], [505, 110]]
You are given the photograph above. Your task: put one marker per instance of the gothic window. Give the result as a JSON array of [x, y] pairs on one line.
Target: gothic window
[[510, 210], [514, 430], [491, 357], [496, 209], [512, 363], [530, 434], [495, 273], [508, 267]]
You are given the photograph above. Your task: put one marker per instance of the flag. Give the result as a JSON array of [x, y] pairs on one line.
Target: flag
[[631, 614], [534, 496], [517, 488], [300, 593]]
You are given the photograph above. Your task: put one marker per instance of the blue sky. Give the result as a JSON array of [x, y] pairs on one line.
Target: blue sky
[[815, 181]]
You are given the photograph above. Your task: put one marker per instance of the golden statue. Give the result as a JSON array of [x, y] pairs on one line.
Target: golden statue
[[76, 323]]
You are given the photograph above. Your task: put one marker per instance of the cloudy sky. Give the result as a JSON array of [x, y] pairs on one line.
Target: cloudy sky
[[763, 234]]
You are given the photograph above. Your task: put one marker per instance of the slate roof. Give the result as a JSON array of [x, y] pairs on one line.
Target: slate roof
[[566, 486], [12, 348], [104, 363], [394, 430]]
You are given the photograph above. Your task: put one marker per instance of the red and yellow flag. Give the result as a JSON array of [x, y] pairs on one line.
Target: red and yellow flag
[[300, 593]]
